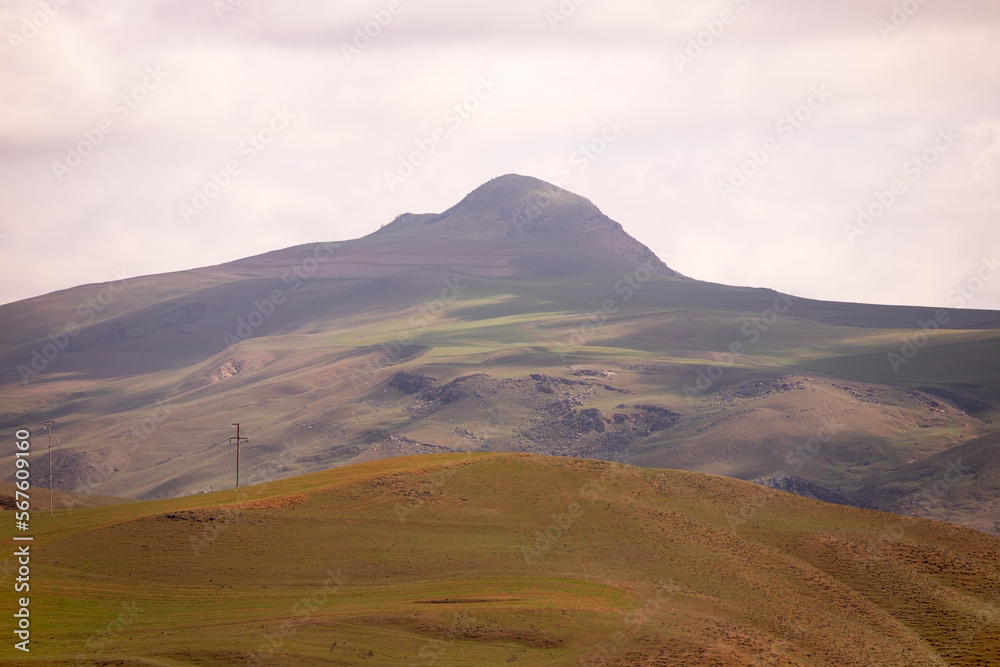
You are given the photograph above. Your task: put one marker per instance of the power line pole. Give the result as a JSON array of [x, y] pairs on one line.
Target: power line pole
[[48, 425], [237, 438]]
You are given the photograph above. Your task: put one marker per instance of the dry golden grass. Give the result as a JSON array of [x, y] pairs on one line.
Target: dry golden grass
[[487, 558]]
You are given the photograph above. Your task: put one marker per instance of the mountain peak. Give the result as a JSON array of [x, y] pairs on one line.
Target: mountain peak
[[531, 212], [513, 188]]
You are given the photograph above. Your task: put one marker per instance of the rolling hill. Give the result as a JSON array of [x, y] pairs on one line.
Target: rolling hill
[[479, 558], [520, 319]]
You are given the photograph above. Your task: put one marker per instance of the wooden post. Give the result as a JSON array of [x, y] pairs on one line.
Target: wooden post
[[237, 438], [48, 426]]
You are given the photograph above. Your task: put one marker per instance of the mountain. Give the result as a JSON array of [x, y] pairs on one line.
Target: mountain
[[520, 319], [508, 558], [539, 228]]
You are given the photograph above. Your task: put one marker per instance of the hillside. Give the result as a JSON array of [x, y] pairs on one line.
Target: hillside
[[520, 319], [508, 558]]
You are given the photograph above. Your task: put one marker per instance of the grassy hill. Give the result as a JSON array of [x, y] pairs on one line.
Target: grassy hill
[[507, 559]]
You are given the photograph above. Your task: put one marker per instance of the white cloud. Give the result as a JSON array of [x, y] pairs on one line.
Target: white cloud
[[324, 175]]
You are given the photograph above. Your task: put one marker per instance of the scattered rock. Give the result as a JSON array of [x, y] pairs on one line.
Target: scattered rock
[[593, 373], [410, 383]]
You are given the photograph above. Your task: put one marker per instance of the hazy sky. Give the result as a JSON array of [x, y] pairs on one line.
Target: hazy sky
[[738, 139]]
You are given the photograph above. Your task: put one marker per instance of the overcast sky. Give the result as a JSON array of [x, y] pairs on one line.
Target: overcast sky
[[737, 138]]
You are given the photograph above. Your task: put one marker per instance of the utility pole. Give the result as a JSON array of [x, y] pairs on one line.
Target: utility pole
[[237, 438], [48, 426]]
